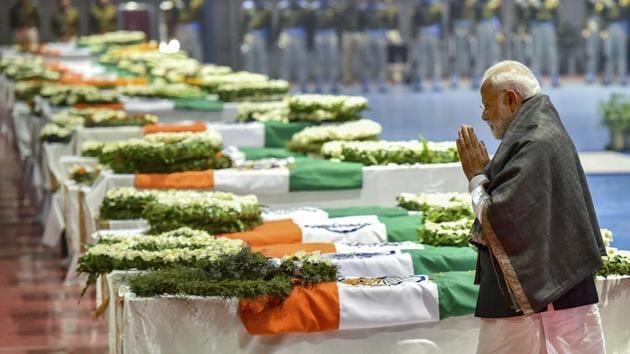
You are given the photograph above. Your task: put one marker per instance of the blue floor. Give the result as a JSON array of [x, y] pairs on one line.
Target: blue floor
[[611, 196], [405, 114]]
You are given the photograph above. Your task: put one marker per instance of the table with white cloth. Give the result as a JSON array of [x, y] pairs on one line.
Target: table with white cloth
[[205, 325], [381, 186]]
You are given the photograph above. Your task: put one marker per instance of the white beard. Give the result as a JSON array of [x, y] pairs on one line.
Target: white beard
[[506, 117]]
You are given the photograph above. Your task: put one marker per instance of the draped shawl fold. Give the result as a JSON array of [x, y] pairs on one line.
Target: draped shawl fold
[[540, 225]]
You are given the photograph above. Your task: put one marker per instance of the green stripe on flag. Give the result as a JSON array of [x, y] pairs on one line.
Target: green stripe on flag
[[443, 259], [457, 293], [277, 134], [252, 153], [368, 210], [402, 228], [322, 175], [113, 69], [198, 104]]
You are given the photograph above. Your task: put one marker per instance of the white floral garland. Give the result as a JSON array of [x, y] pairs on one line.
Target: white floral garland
[[357, 130], [440, 200], [172, 249]]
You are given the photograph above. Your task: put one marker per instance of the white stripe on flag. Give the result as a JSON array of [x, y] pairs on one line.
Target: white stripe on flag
[[400, 265], [388, 247], [347, 232], [382, 306], [241, 134], [271, 181], [147, 106], [298, 215]]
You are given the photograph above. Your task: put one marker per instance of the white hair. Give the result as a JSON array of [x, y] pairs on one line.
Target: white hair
[[512, 75]]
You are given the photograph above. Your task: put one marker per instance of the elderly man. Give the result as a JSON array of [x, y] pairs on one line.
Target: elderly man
[[537, 234]]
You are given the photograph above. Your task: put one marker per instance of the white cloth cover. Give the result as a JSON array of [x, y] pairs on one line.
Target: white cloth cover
[[211, 325], [21, 123], [54, 222], [53, 152], [70, 192]]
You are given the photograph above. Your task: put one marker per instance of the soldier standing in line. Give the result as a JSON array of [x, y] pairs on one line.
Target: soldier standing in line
[[351, 39], [256, 36], [326, 46], [395, 49], [24, 21], [617, 16], [522, 48], [544, 19], [488, 14], [188, 28], [374, 48], [65, 21], [427, 52], [294, 20], [103, 17], [591, 34], [461, 21]]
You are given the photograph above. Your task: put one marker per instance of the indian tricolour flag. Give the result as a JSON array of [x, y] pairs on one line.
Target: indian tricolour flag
[[351, 303]]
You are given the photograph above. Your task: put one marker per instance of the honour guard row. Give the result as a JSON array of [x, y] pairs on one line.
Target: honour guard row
[[329, 42]]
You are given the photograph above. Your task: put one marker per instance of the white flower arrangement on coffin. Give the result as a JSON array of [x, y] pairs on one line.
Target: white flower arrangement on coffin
[[439, 207], [277, 111], [311, 139], [217, 212], [326, 107], [391, 152], [179, 247], [448, 233], [163, 153]]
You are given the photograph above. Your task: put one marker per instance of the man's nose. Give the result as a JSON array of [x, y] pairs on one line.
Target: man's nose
[[483, 115]]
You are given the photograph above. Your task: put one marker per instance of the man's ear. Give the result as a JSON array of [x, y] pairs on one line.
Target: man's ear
[[512, 99]]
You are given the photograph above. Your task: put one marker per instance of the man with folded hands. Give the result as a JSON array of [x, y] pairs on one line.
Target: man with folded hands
[[536, 230]]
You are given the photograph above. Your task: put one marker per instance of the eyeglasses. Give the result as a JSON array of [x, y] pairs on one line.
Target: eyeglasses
[[484, 107]]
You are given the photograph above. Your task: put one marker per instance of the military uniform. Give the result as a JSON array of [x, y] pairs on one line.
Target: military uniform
[[257, 36], [592, 37], [616, 13], [488, 30], [427, 52], [351, 39], [461, 20], [188, 29], [294, 20], [374, 47], [103, 18], [65, 23], [327, 46], [521, 41], [24, 19], [544, 18]]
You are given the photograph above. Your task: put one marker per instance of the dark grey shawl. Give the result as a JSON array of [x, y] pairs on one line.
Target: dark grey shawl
[[540, 225]]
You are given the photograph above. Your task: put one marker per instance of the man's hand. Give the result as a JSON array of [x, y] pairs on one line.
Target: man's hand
[[472, 153]]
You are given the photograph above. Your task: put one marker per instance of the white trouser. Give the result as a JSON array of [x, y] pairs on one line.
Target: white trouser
[[575, 330]]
